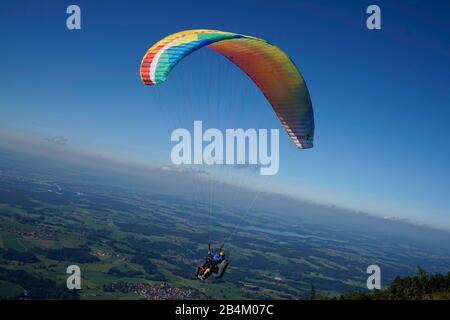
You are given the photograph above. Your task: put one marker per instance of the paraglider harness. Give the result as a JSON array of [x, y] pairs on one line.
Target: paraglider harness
[[211, 267]]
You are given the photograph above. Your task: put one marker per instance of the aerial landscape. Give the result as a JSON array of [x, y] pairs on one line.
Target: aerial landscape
[[136, 244]]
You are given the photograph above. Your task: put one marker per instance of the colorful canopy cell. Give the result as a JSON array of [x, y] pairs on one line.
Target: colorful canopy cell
[[269, 67]]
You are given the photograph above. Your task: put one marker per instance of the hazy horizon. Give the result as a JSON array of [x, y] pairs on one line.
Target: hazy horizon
[[47, 148]]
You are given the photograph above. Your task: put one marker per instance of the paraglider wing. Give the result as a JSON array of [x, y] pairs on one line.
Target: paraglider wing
[[269, 67]]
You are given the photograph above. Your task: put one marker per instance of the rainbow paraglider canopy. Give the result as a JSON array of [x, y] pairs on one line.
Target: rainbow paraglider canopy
[[269, 67]]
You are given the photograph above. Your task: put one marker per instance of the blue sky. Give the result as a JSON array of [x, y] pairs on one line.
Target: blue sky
[[381, 98]]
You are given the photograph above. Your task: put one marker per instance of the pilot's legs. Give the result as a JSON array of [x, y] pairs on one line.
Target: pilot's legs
[[207, 273]]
